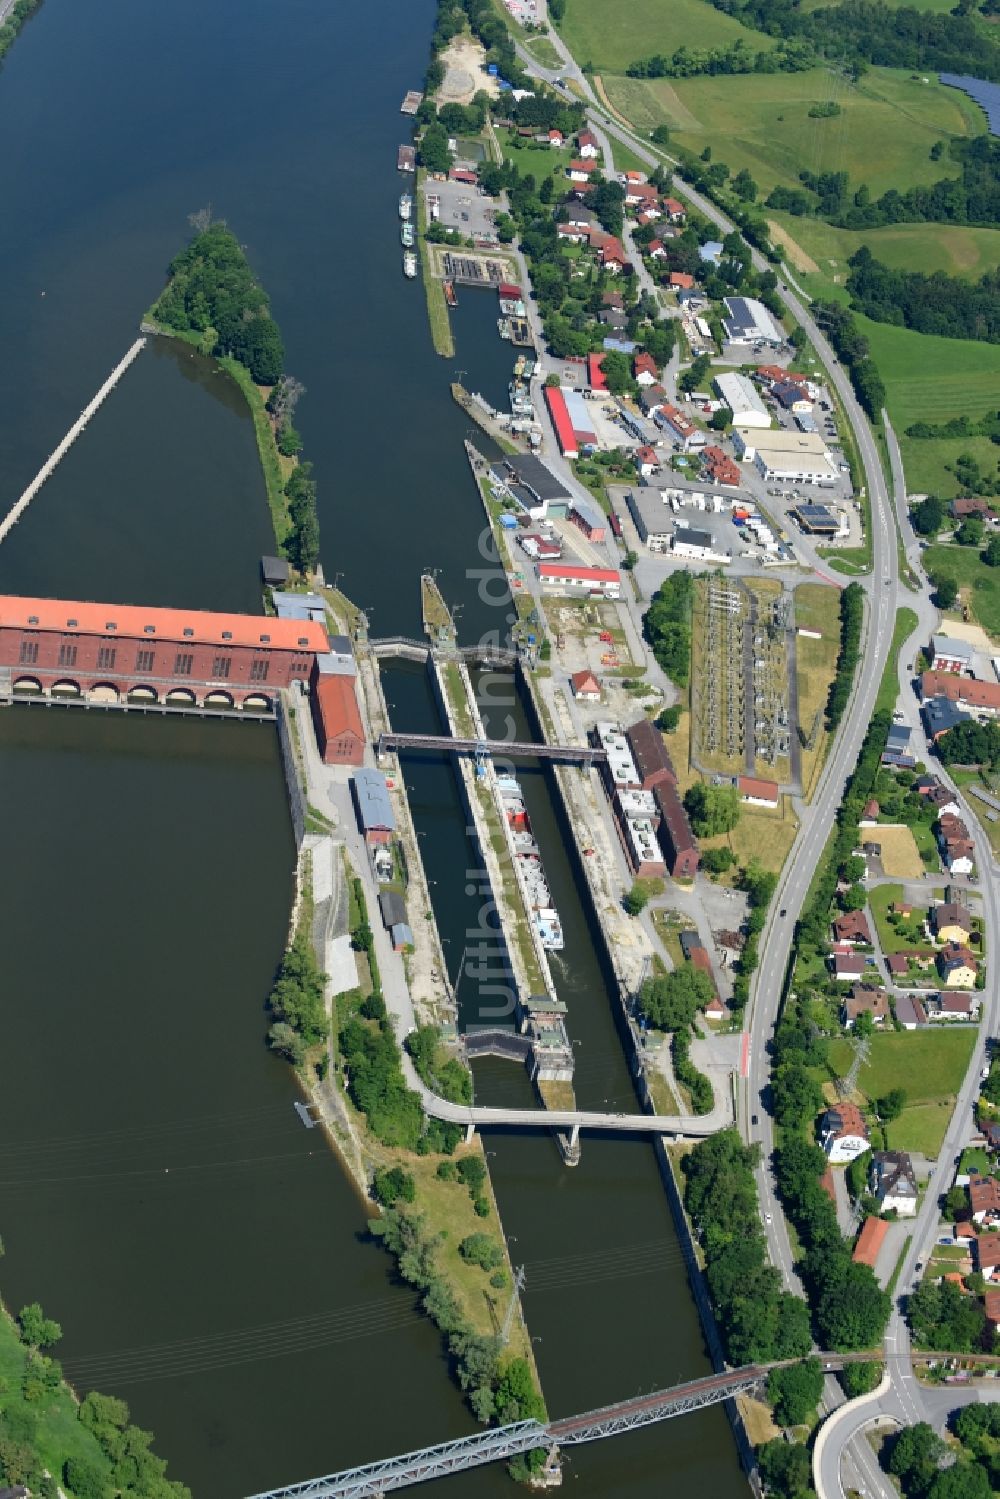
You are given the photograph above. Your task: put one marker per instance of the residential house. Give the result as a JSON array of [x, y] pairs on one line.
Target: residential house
[[844, 1133], [851, 926], [679, 427], [612, 317], [991, 1306], [894, 1183], [572, 234], [987, 1248], [721, 469], [555, 137], [645, 369], [910, 1013], [951, 922], [956, 1004], [676, 212], [587, 145], [715, 1010], [651, 398], [586, 687], [646, 461], [865, 999], [656, 249], [613, 299], [943, 801], [791, 396], [612, 256], [984, 1200], [962, 509], [681, 281], [966, 692], [581, 171], [958, 856], [957, 965], [991, 1134], [847, 965], [940, 715], [641, 195]]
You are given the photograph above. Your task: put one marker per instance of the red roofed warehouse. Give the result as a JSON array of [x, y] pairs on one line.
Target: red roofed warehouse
[[676, 836], [177, 657], [561, 577], [869, 1242], [595, 375], [559, 416], [339, 730]]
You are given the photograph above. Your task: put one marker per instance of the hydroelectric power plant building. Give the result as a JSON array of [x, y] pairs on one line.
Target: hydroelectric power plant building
[[131, 654]]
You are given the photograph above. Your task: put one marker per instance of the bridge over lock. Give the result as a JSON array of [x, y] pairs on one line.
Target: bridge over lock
[[570, 754]]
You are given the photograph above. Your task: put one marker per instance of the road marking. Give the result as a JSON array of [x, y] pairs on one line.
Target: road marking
[[745, 1055]]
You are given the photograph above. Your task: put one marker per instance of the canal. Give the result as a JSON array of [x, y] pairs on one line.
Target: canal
[[205, 1255]]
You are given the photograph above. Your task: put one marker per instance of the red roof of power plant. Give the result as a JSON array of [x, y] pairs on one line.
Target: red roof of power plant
[[508, 292], [565, 436], [138, 622]]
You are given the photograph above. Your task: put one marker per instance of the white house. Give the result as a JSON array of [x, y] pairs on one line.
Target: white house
[[844, 1133], [893, 1182], [588, 145]]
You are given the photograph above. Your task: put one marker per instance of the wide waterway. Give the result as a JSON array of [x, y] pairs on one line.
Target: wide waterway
[[159, 1196]]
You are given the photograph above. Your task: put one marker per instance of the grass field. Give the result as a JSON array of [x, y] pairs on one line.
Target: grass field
[[883, 135], [543, 51], [760, 834], [612, 36], [979, 584], [900, 855], [932, 379], [880, 898], [888, 692], [817, 607], [58, 1433], [952, 248], [929, 1065]]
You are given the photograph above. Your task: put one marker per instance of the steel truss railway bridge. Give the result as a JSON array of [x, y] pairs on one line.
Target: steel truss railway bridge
[[502, 1442]]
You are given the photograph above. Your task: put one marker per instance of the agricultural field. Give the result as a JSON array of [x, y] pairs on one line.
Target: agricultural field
[[900, 855], [819, 253], [817, 607], [933, 379], [928, 1064], [979, 584], [882, 136], [613, 36]]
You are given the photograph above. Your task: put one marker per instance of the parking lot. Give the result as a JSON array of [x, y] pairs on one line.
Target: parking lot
[[462, 207]]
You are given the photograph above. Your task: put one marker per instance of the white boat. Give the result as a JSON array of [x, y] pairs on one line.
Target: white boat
[[408, 234], [529, 865], [409, 264], [405, 205]]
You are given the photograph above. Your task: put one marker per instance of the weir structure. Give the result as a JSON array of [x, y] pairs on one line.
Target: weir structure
[[51, 463]]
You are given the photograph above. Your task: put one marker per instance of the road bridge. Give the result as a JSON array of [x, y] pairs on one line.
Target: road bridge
[[55, 458], [572, 754], [413, 649]]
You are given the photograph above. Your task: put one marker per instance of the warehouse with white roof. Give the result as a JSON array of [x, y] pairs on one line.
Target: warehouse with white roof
[[787, 457], [748, 321], [743, 400]]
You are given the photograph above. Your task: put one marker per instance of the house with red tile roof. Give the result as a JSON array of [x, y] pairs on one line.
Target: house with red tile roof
[[681, 281], [869, 1242]]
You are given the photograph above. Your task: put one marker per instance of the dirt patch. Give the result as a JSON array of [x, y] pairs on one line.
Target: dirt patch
[[800, 260], [974, 634], [900, 855], [465, 72]]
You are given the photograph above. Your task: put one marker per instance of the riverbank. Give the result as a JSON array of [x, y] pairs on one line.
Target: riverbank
[[437, 308], [13, 15]]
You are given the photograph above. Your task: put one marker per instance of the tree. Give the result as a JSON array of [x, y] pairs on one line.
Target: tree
[[670, 1003], [433, 152], [717, 860], [671, 717], [694, 376], [617, 371], [785, 1468], [744, 186], [942, 1316], [794, 1392], [289, 440], [963, 1481], [991, 552], [945, 590], [797, 1095], [392, 1184], [37, 1330], [516, 1397], [636, 899], [859, 1379], [955, 1204], [660, 136], [852, 1309], [854, 898], [482, 1250], [928, 516], [915, 1456], [712, 809], [891, 1105], [287, 1043], [971, 532], [85, 1479]]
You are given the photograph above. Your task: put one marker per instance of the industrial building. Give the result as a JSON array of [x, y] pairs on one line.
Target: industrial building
[[785, 457], [340, 733], [816, 519], [743, 400], [561, 577], [698, 545], [373, 806], [951, 655], [532, 485], [748, 321], [679, 845], [652, 516]]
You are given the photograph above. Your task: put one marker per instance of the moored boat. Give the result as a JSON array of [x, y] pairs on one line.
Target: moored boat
[[409, 264], [405, 205]]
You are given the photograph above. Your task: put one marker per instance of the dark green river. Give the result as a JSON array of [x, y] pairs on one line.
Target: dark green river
[[206, 1255]]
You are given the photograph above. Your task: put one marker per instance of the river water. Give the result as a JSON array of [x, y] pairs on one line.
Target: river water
[[205, 1254]]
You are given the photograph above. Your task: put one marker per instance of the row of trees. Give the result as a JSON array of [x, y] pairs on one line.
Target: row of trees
[[971, 744], [759, 886], [854, 351], [667, 626], [20, 12], [929, 1468], [499, 1388], [941, 304], [297, 1001], [671, 1003], [758, 1321], [689, 62], [861, 32], [852, 613]]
